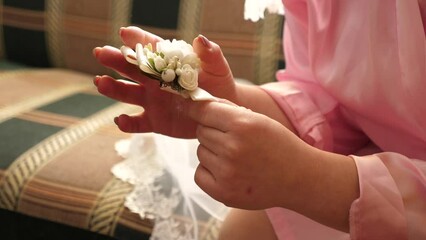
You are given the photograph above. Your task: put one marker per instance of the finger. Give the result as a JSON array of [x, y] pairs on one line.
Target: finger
[[112, 58], [133, 124], [226, 101], [213, 114], [133, 35], [206, 181], [122, 91], [212, 59], [211, 138], [209, 160]]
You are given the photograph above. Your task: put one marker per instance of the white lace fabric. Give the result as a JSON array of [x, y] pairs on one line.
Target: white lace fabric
[[162, 169]]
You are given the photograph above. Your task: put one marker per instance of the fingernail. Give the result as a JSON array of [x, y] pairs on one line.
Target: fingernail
[[205, 41], [96, 51], [116, 120], [121, 30], [96, 80]]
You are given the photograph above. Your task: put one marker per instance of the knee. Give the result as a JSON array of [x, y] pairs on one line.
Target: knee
[[244, 224]]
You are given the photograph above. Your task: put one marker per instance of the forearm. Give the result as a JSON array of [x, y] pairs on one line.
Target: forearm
[[324, 185], [324, 188], [256, 99]]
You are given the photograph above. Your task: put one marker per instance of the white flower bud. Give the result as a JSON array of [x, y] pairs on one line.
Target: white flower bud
[[150, 55], [172, 63], [188, 79], [147, 48], [168, 75], [159, 63]]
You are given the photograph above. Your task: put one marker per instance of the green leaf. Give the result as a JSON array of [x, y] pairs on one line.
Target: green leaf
[[149, 46], [151, 63]]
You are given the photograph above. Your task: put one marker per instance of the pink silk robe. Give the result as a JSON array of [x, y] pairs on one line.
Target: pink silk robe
[[355, 84]]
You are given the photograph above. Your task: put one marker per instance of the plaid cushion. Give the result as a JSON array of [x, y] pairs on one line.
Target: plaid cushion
[[57, 150], [59, 33]]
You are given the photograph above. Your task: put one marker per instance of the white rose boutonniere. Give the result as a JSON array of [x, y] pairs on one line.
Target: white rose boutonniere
[[174, 64]]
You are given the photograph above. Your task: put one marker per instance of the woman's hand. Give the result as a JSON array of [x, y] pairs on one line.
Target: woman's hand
[[162, 110], [247, 160], [250, 161]]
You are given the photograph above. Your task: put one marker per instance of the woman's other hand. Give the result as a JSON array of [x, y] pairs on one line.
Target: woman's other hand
[[247, 160]]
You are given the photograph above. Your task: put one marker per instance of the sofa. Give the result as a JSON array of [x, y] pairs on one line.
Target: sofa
[[57, 133]]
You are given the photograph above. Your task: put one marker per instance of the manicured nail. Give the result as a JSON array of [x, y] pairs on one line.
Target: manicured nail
[[96, 51], [96, 80], [121, 30], [116, 120], [205, 41]]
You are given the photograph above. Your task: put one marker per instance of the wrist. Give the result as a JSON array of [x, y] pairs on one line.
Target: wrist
[[258, 100], [323, 188]]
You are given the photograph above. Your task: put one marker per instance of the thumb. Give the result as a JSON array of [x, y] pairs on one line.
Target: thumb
[[213, 61]]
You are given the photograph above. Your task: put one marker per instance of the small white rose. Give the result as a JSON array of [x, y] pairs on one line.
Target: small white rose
[[182, 45], [163, 46], [174, 53], [191, 59], [168, 75], [188, 78], [166, 48], [170, 49]]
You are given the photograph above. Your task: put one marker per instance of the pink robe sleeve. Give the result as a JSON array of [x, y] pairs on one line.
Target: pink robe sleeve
[[315, 115], [392, 202]]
